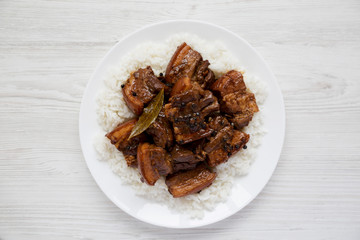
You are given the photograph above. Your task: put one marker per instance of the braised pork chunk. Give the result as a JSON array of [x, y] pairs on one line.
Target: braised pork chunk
[[119, 137], [235, 100], [153, 162], [187, 182], [183, 159], [230, 82], [187, 112], [161, 131], [188, 63], [140, 88], [199, 124], [225, 144]]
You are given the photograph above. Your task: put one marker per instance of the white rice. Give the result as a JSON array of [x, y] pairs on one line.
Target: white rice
[[112, 110]]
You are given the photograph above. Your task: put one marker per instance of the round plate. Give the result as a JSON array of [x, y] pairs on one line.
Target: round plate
[[245, 188]]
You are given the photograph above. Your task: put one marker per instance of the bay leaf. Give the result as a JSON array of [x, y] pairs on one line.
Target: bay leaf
[[149, 114]]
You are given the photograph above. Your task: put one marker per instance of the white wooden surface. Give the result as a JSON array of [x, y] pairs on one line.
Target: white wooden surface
[[48, 50]]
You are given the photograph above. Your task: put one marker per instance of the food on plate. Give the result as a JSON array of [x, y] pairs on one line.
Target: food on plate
[[161, 131], [158, 130], [149, 115], [225, 143], [153, 162], [185, 159], [184, 183], [188, 64], [234, 98], [187, 112], [120, 138], [187, 122], [140, 88]]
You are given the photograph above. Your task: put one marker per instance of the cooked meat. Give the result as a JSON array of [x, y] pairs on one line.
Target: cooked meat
[[196, 127], [188, 63], [230, 82], [225, 144], [203, 75], [180, 166], [153, 162], [196, 147], [187, 112], [190, 96], [183, 159], [131, 160], [140, 88], [208, 103], [180, 86], [241, 120], [119, 137], [161, 131], [219, 140], [181, 154], [183, 138], [239, 103], [217, 123], [184, 183], [168, 86], [238, 141], [182, 64], [234, 99]]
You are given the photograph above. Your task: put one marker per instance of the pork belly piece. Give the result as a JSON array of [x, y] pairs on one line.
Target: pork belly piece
[[219, 140], [217, 123], [188, 63], [187, 111], [161, 131], [203, 75], [187, 182], [197, 148], [184, 159], [234, 99], [184, 138], [180, 86], [140, 89], [241, 120], [131, 160], [168, 86], [230, 82], [241, 106], [226, 142], [238, 102], [182, 64], [119, 137], [153, 162], [208, 103]]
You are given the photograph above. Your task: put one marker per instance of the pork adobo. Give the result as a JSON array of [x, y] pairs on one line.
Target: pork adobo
[[187, 182], [199, 126], [153, 162], [187, 112], [184, 159], [119, 137], [140, 88], [234, 98], [188, 63], [161, 131]]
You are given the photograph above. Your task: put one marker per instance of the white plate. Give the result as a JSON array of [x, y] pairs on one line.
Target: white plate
[[245, 189]]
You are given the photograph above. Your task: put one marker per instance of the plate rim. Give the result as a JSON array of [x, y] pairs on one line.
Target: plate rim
[[92, 79]]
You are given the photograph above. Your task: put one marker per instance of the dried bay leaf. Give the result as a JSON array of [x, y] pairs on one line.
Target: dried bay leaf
[[149, 114]]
